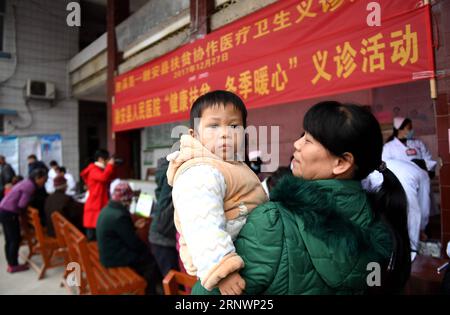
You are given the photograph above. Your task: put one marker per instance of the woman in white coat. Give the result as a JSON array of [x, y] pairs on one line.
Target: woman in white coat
[[416, 183], [402, 146]]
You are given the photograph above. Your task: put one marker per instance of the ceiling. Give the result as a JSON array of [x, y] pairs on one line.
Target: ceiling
[[134, 4]]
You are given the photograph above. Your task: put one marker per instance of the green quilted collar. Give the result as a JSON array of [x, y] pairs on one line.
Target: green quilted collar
[[335, 221], [346, 197]]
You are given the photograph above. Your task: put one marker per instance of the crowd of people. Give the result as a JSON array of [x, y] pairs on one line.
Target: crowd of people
[[44, 189], [346, 200]]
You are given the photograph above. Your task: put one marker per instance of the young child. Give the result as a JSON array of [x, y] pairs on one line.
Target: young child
[[213, 190]]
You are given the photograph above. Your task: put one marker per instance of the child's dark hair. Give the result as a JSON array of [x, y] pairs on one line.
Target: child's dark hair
[[351, 128], [217, 98]]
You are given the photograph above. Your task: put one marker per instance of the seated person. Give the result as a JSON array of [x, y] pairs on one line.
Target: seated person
[[118, 243], [8, 187], [66, 205], [71, 184]]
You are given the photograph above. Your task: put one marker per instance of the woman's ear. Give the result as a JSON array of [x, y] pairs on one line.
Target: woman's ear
[[344, 164], [191, 132]]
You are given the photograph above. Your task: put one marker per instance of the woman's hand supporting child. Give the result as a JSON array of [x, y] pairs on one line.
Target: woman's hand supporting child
[[233, 284]]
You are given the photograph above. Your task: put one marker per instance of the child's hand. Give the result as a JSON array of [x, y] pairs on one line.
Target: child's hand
[[233, 284]]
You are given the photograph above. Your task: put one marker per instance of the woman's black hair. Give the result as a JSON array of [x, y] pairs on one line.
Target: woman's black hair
[[394, 134], [217, 98], [342, 128], [101, 153], [38, 173]]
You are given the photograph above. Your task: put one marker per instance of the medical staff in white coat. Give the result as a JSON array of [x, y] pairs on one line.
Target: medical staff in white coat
[[50, 176], [416, 183], [402, 145]]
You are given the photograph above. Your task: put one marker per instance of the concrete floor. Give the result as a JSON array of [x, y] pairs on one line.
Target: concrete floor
[[26, 282]]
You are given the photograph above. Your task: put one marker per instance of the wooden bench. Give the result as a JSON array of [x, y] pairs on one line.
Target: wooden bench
[[28, 237], [175, 280], [95, 278], [59, 222], [47, 247]]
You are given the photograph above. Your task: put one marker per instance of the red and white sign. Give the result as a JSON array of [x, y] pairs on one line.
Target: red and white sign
[[288, 51]]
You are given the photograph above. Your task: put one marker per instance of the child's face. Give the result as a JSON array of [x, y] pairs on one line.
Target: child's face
[[221, 131]]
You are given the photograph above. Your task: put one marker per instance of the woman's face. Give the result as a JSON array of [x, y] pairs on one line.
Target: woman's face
[[313, 161], [40, 181], [403, 133]]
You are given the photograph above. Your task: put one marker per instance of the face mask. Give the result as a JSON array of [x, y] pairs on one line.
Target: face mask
[[410, 134]]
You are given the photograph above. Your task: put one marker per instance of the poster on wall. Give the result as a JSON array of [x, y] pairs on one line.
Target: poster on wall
[[9, 148], [27, 145], [16, 149], [51, 149]]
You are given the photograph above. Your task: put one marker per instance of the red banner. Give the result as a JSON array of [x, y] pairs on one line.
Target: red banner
[[288, 51]]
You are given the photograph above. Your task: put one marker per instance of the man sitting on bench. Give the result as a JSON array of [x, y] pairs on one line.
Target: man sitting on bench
[[118, 243]]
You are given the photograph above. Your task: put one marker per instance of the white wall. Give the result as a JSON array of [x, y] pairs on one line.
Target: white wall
[[38, 38]]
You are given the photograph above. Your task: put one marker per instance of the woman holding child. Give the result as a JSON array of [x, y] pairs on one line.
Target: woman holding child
[[320, 233]]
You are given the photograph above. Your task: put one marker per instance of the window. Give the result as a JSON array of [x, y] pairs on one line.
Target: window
[[2, 19]]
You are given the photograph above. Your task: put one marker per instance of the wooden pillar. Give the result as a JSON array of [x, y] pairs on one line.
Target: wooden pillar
[[442, 106], [200, 13], [117, 11]]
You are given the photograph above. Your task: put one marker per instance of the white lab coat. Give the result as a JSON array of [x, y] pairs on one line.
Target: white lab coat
[[414, 149], [49, 187], [71, 184], [416, 183]]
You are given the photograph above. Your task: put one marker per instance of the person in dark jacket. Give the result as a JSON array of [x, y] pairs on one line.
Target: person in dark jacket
[[66, 205], [322, 233], [6, 175], [39, 197], [118, 243], [34, 163], [11, 207], [162, 234]]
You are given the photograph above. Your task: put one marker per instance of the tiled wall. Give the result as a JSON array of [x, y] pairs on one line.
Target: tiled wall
[[38, 38]]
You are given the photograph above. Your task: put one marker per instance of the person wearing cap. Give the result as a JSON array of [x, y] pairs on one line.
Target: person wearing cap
[[402, 145], [71, 184], [118, 243], [64, 204]]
